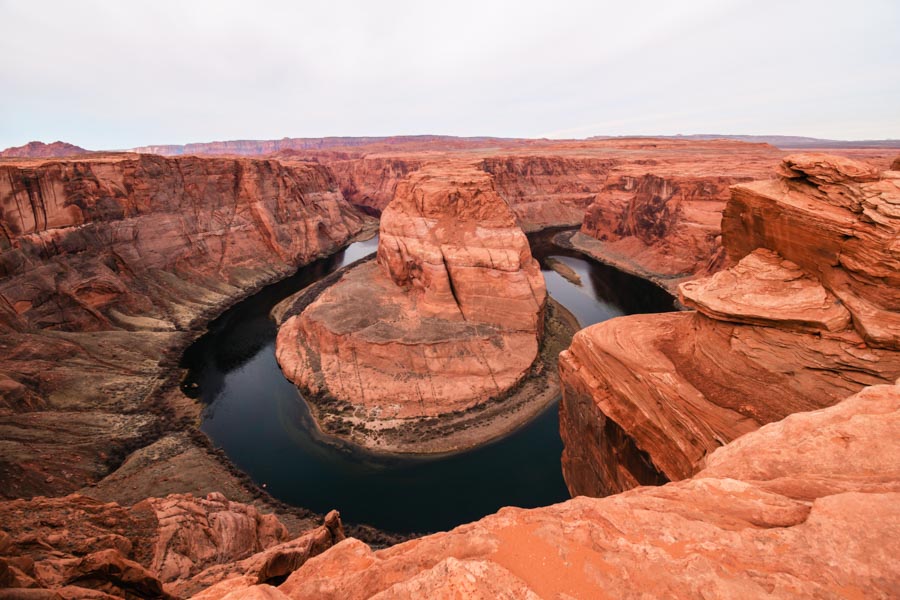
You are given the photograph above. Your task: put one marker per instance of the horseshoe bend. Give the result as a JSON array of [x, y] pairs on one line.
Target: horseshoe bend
[[510, 320], [766, 409]]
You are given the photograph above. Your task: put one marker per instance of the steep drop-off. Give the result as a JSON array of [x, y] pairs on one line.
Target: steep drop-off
[[806, 507], [787, 329], [108, 266]]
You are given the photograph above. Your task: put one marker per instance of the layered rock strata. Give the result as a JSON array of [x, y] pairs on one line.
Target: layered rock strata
[[806, 507], [107, 266], [646, 398], [837, 218], [449, 316], [170, 547]]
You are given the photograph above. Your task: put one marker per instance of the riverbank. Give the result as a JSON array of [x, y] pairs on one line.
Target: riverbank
[[597, 250], [450, 433]]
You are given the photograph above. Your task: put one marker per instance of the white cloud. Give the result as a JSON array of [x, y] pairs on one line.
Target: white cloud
[[119, 74]]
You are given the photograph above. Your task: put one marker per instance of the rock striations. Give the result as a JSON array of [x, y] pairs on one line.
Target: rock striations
[[108, 264], [806, 507], [805, 318], [449, 315]]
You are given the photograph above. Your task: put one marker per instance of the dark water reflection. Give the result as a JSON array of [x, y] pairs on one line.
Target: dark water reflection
[[259, 419]]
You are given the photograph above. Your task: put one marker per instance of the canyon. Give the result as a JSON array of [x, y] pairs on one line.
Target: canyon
[[771, 407]]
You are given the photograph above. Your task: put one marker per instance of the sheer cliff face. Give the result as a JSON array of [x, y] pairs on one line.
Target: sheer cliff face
[[105, 266], [547, 190], [372, 182], [143, 242], [448, 317], [807, 316]]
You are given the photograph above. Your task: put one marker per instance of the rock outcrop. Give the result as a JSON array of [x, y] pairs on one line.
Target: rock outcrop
[[837, 218], [165, 547], [42, 150], [805, 318], [449, 316], [107, 266], [788, 510], [660, 218]]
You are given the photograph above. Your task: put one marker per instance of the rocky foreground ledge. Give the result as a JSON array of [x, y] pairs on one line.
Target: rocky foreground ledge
[[805, 507]]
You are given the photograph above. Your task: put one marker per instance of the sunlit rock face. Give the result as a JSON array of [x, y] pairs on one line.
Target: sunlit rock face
[[447, 317], [806, 316], [820, 487]]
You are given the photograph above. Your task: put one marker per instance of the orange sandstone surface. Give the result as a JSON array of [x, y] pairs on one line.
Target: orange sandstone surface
[[805, 507], [806, 317]]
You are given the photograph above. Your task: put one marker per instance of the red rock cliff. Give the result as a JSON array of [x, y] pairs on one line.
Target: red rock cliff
[[105, 265], [787, 329]]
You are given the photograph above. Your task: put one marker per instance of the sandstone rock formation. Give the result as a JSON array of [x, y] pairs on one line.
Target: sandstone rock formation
[[660, 218], [42, 150], [646, 398], [161, 547], [448, 317], [804, 507], [840, 220], [107, 264]]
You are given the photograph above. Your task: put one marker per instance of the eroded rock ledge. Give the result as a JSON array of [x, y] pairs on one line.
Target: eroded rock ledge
[[448, 317], [806, 317]]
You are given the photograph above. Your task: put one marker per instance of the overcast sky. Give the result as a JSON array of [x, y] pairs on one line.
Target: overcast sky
[[117, 74]]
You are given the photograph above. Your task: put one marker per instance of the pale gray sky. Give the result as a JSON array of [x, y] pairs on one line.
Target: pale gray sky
[[119, 74]]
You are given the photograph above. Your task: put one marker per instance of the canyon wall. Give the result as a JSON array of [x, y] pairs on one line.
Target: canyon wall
[[806, 507], [109, 265], [549, 190], [372, 181], [806, 317], [659, 216], [449, 316]]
